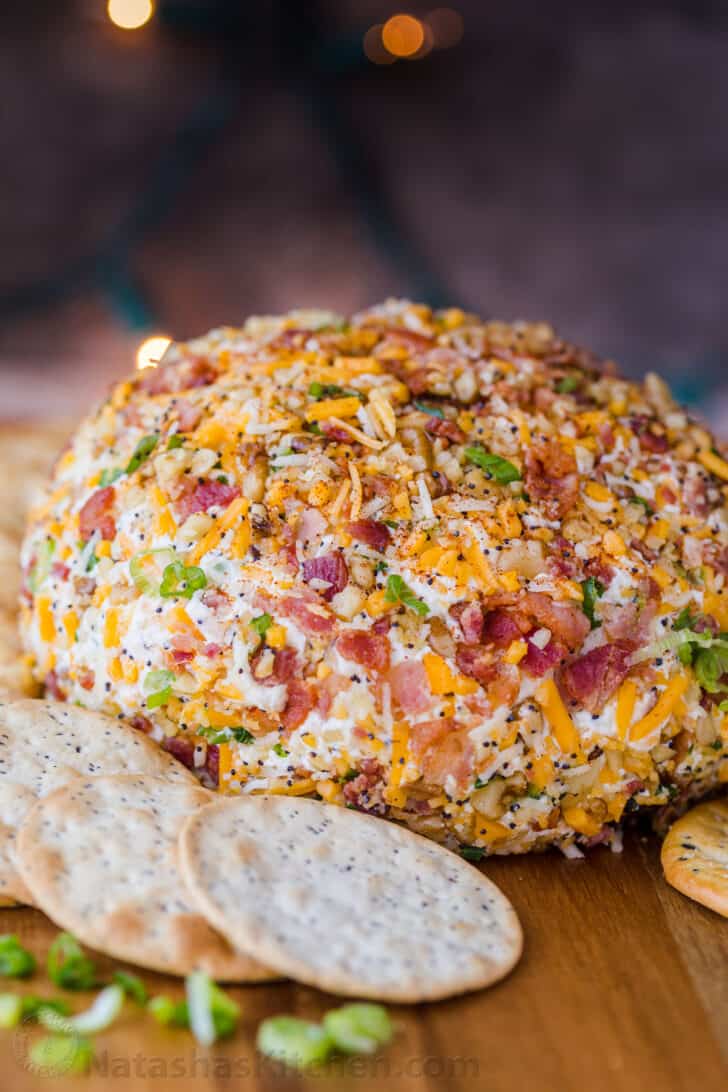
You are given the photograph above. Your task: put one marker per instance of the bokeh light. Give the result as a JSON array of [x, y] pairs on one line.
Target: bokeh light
[[403, 35], [130, 14], [447, 27], [374, 48], [151, 351]]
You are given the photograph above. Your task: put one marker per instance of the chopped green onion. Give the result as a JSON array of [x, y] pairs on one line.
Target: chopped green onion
[[635, 499], [261, 624], [399, 592], [433, 411], [296, 1042], [317, 391], [146, 569], [568, 384], [15, 1007], [15, 960], [280, 750], [213, 1015], [170, 1013], [498, 468], [132, 986], [32, 1006], [109, 476], [182, 580], [216, 735], [56, 1055], [68, 967], [358, 1028], [685, 619], [158, 686], [723, 707], [11, 1009], [141, 452], [100, 1015], [43, 562], [472, 853], [592, 589]]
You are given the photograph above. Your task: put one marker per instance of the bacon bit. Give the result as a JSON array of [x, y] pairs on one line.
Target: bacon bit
[[53, 686], [644, 551], [84, 586], [364, 792], [695, 493], [443, 427], [410, 689], [477, 662], [500, 628], [335, 432], [591, 680], [311, 526], [567, 622], [96, 515], [716, 556], [312, 622], [60, 571], [630, 622], [635, 785], [182, 749], [330, 568], [551, 477], [212, 650], [181, 656], [538, 661], [285, 666], [212, 763], [561, 561], [600, 570], [214, 599], [298, 705], [188, 416], [469, 617], [141, 723], [177, 376], [443, 751], [382, 625], [650, 440], [202, 496], [371, 532], [371, 650], [328, 690], [606, 437], [87, 679]]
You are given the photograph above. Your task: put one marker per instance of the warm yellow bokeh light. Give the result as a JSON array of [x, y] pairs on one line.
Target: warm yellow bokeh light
[[151, 351], [130, 14], [403, 35]]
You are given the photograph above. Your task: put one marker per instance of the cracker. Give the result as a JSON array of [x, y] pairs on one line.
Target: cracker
[[100, 859], [341, 901], [44, 745], [695, 855]]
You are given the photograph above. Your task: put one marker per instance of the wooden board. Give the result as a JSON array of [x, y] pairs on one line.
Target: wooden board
[[623, 986]]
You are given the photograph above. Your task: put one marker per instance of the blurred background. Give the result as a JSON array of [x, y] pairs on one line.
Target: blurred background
[[170, 165]]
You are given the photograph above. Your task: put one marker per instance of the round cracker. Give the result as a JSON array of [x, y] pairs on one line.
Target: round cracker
[[44, 745], [100, 859], [695, 855], [345, 902]]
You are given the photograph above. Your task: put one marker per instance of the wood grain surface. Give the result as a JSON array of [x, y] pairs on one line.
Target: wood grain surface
[[623, 986]]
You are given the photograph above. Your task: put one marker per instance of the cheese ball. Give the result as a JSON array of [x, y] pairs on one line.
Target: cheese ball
[[449, 572]]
